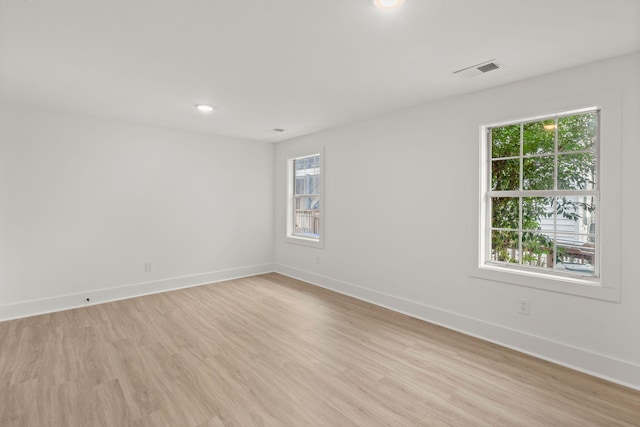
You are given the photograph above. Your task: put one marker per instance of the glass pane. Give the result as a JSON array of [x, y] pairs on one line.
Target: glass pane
[[307, 175], [539, 137], [538, 173], [504, 246], [505, 212], [307, 216], [307, 203], [537, 249], [313, 184], [579, 132], [575, 253], [576, 215], [505, 141], [537, 214], [577, 171], [505, 174], [300, 185]]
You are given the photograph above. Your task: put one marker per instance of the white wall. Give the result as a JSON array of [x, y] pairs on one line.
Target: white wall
[[84, 202], [424, 161]]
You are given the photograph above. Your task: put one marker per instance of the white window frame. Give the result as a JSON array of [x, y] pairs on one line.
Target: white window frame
[[607, 285], [291, 236]]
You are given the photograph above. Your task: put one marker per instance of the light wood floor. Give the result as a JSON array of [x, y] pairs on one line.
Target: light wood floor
[[270, 350]]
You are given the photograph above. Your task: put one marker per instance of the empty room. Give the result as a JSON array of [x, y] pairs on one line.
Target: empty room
[[319, 213]]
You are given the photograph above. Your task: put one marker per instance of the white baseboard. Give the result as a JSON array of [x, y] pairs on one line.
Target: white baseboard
[[598, 365], [66, 302]]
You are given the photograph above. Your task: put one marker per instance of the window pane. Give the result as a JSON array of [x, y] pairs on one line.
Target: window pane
[[504, 246], [307, 216], [537, 213], [538, 173], [308, 203], [537, 249], [505, 212], [505, 175], [313, 184], [579, 132], [539, 137], [505, 141], [576, 215], [575, 253], [576, 171], [307, 175], [300, 188]]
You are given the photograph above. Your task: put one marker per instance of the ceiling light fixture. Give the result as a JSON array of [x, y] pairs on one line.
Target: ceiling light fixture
[[387, 4], [204, 108]]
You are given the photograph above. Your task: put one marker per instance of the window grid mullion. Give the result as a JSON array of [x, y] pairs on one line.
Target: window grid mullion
[[521, 189], [293, 198], [555, 199], [520, 226], [544, 193], [488, 179], [555, 156], [598, 173], [536, 156]]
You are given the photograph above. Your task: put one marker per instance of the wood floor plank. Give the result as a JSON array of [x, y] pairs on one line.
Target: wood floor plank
[[273, 351]]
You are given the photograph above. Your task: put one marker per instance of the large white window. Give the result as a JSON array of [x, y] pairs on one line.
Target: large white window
[[542, 195], [304, 223], [550, 197]]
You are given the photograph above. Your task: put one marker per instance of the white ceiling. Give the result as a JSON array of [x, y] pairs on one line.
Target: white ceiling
[[301, 65]]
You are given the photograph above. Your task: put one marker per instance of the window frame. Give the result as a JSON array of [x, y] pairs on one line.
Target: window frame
[[291, 235], [555, 192], [608, 240]]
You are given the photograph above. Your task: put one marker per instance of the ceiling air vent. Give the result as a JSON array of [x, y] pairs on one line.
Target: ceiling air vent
[[476, 70]]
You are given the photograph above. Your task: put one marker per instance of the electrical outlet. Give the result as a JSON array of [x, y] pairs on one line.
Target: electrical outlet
[[148, 266], [524, 307]]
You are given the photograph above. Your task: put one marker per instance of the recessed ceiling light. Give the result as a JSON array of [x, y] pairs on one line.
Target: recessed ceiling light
[[204, 108], [387, 4]]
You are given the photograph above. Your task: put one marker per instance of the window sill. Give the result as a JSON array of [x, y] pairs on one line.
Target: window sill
[[304, 241], [579, 286]]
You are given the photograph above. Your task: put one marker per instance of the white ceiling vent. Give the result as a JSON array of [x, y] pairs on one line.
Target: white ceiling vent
[[476, 70]]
